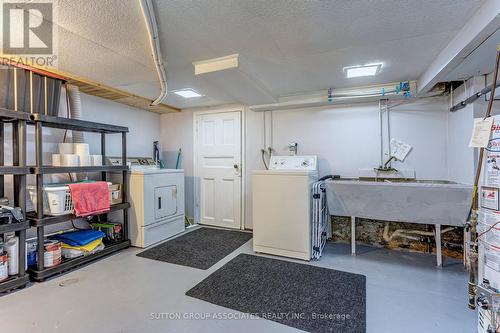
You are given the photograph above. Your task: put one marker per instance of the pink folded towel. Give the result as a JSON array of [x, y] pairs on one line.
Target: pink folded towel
[[89, 198]]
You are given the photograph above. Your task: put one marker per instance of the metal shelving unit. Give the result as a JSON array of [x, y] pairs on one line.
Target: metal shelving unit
[[48, 220], [19, 170], [39, 220], [71, 264], [51, 169]]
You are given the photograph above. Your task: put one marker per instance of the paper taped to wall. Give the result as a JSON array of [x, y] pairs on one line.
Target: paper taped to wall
[[481, 132], [399, 149]]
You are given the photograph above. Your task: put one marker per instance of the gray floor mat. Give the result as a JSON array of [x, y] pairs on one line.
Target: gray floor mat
[[200, 248], [306, 297]]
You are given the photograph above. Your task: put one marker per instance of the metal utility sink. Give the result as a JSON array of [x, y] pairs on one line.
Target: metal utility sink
[[413, 201], [399, 200], [403, 180]]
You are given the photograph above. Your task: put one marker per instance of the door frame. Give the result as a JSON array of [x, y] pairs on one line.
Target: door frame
[[196, 115]]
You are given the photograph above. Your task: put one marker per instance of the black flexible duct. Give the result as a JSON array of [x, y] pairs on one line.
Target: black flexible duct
[[328, 177]]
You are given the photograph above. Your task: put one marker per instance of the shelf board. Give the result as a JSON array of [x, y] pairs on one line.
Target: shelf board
[[14, 282], [14, 170], [47, 220], [60, 169], [70, 264], [61, 122], [91, 87], [6, 114], [14, 227], [76, 124]]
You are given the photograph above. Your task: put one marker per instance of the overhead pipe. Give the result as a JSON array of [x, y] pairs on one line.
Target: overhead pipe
[[154, 39], [342, 95], [476, 96]]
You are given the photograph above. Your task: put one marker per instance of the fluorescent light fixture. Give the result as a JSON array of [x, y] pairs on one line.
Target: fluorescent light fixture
[[216, 64], [364, 70], [187, 93]]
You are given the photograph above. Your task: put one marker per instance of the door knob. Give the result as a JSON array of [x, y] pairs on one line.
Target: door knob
[[235, 166]]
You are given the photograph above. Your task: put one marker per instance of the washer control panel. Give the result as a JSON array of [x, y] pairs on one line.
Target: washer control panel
[[300, 163]]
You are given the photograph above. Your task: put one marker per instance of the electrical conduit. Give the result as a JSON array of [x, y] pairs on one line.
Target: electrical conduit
[[154, 39]]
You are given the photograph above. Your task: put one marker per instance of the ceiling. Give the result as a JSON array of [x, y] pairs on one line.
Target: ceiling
[[479, 62], [286, 47]]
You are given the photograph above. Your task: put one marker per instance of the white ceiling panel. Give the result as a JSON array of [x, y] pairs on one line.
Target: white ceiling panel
[[285, 46]]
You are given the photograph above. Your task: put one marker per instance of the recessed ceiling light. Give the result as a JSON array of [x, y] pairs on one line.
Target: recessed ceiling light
[[364, 70], [187, 93]]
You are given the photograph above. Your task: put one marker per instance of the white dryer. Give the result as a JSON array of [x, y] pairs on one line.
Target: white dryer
[[156, 204], [282, 202]]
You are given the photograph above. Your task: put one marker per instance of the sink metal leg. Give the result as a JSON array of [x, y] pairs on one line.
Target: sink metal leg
[[353, 235], [466, 245], [439, 258]]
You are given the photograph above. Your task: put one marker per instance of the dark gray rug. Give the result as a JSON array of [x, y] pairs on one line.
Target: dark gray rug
[[200, 248], [306, 297]]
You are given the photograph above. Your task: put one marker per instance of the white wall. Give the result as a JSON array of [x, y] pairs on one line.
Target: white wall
[[345, 138], [177, 132], [144, 127], [460, 156]]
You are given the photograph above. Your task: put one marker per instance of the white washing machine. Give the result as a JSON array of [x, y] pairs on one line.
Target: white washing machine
[[156, 203], [281, 208]]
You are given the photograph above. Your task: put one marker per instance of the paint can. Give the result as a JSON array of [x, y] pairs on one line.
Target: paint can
[[4, 266], [12, 248], [52, 253], [30, 254]]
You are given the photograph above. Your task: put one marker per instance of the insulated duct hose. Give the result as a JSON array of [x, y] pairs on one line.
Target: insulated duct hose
[[474, 205], [328, 177], [75, 108], [75, 112]]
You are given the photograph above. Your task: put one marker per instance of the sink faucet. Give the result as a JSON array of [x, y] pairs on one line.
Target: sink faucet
[[386, 167]]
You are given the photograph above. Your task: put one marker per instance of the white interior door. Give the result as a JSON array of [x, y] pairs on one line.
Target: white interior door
[[218, 166]]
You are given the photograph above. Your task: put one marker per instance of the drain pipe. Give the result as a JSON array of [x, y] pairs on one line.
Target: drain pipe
[[154, 39], [381, 124], [408, 233]]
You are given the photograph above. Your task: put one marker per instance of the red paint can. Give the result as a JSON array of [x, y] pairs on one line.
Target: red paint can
[[52, 255], [4, 266]]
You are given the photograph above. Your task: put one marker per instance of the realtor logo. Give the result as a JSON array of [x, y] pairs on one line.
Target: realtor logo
[[27, 28]]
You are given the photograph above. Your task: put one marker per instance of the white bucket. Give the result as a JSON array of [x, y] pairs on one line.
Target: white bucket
[[65, 148], [85, 160], [70, 160], [96, 160], [56, 159], [81, 149]]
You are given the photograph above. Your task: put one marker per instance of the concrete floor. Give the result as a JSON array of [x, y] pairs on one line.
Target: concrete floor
[[124, 293]]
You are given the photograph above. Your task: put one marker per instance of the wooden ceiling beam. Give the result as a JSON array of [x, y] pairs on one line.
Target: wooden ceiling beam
[[94, 88]]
